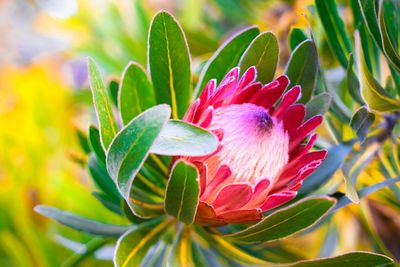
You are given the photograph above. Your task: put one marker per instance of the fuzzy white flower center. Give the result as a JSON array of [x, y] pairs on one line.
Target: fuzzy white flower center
[[255, 145]]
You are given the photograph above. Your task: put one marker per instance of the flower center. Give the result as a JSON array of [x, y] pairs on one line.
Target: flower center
[[255, 145]]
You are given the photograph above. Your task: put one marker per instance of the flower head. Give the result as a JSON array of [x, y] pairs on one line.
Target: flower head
[[263, 156]]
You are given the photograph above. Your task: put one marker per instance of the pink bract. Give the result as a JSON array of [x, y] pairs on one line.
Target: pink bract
[[264, 150]]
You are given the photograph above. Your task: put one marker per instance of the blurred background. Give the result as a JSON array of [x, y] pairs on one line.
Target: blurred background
[[45, 102]]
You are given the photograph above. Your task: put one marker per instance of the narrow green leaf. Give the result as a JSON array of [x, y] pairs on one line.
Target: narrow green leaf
[[169, 63], [103, 181], [296, 36], [79, 223], [108, 202], [136, 93], [336, 156], [130, 147], [370, 15], [318, 105], [181, 254], [302, 68], [95, 144], [182, 195], [338, 39], [361, 122], [226, 57], [83, 141], [353, 84], [287, 221], [107, 124], [91, 247], [184, 139], [389, 10], [373, 93], [344, 201], [263, 53], [358, 258], [133, 246]]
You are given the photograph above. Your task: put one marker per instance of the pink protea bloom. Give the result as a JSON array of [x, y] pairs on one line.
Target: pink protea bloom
[[263, 156]]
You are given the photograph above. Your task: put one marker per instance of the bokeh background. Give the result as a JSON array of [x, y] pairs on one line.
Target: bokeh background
[[44, 100]]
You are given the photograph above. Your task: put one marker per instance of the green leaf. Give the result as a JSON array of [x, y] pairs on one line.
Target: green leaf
[[336, 156], [287, 221], [318, 105], [370, 14], [302, 68], [184, 139], [136, 92], [390, 45], [263, 53], [183, 191], [344, 201], [103, 181], [181, 252], [373, 93], [226, 57], [353, 84], [361, 122], [83, 141], [133, 246], [338, 39], [79, 223], [358, 258], [95, 144], [108, 202], [169, 63], [296, 36], [130, 147], [107, 124], [113, 88], [90, 248]]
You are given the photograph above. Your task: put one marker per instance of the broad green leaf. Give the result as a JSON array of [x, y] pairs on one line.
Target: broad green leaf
[[184, 139], [107, 124], [130, 147], [136, 93], [296, 36], [133, 246], [352, 259], [95, 143], [286, 222], [336, 156], [113, 88], [79, 223], [373, 93], [361, 122], [369, 10], [302, 68], [263, 53], [353, 84], [169, 63], [183, 190], [318, 105], [103, 181], [226, 57], [338, 39], [344, 201], [389, 10]]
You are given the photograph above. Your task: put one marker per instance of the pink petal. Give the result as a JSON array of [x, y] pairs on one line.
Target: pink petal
[[232, 74], [248, 77], [215, 182], [241, 216], [191, 112], [288, 99], [245, 94], [233, 196], [260, 191], [206, 117], [206, 215], [208, 91], [270, 93], [304, 130], [303, 149], [293, 117], [278, 199]]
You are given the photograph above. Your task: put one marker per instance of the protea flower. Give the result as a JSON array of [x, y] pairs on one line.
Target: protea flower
[[263, 156]]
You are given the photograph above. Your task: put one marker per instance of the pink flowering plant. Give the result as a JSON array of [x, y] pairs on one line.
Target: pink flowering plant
[[209, 174]]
